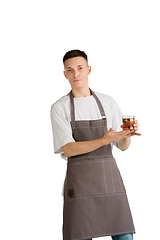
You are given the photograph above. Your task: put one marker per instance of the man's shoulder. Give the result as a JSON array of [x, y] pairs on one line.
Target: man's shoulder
[[104, 97], [60, 103], [108, 102]]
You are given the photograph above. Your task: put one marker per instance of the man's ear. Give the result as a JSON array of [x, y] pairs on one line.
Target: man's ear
[[89, 70]]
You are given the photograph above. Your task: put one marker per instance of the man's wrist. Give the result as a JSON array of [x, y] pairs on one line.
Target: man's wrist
[[102, 142]]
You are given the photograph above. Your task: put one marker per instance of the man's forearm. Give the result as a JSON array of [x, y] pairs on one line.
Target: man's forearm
[[77, 148], [124, 143]]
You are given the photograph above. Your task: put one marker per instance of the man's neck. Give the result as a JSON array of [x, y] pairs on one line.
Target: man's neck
[[79, 93]]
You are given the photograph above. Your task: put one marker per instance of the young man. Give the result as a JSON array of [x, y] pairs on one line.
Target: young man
[[86, 125]]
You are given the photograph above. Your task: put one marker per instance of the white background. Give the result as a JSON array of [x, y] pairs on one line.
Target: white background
[[122, 41]]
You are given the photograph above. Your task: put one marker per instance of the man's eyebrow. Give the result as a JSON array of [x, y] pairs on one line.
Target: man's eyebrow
[[77, 66]]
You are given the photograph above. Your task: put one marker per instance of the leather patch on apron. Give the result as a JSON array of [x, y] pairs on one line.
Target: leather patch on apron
[[71, 193]]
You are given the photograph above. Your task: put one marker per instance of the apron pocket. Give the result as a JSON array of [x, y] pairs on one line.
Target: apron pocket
[[114, 182], [86, 179]]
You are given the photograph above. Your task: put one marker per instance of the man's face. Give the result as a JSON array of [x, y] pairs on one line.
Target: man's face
[[77, 71]]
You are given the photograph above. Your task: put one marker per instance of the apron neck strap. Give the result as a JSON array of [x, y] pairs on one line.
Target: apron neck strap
[[101, 109]]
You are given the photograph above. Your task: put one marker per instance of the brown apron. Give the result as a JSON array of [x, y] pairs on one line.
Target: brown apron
[[95, 200]]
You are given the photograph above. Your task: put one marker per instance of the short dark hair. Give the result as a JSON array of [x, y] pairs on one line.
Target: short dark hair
[[75, 53]]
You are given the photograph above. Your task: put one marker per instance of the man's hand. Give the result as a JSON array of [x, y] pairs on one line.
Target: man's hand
[[111, 136], [135, 129]]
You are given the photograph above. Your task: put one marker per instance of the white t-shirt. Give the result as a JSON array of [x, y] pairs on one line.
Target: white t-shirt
[[86, 108]]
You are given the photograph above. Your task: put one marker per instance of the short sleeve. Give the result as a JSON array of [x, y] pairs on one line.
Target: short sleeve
[[62, 132], [117, 119]]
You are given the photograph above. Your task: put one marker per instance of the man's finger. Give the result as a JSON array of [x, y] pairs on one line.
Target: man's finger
[[111, 130], [125, 132], [138, 134]]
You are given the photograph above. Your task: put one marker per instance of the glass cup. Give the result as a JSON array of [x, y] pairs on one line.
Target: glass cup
[[128, 122]]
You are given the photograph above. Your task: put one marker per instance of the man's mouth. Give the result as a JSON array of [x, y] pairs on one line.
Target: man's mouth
[[77, 80]]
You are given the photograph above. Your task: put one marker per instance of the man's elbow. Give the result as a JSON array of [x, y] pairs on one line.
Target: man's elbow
[[68, 154], [122, 148], [67, 150]]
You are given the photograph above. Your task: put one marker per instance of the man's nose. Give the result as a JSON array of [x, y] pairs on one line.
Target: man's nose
[[76, 73]]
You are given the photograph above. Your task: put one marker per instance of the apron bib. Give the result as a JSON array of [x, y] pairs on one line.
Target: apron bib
[[95, 200]]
